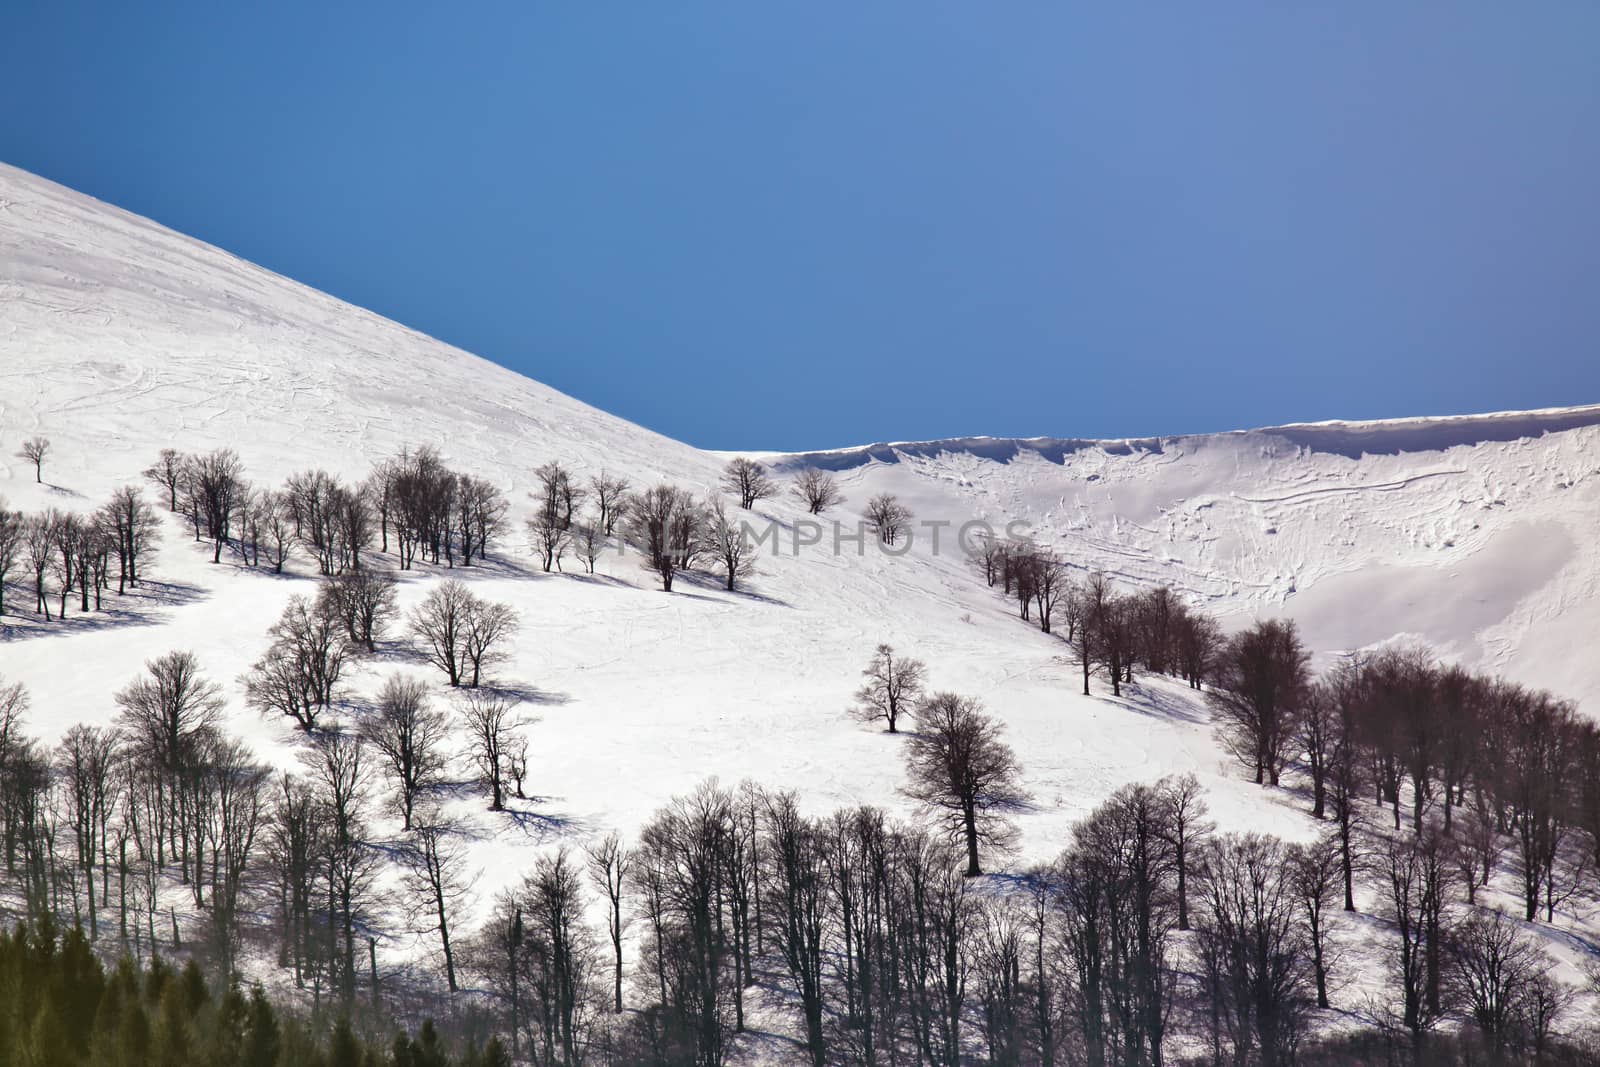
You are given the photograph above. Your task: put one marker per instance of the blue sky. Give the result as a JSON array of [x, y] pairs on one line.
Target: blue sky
[[776, 225]]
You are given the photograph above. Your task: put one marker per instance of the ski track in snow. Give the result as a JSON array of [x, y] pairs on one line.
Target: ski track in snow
[[118, 338]]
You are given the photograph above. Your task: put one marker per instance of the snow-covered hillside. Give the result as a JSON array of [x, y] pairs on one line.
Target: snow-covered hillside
[[1474, 534], [118, 338]]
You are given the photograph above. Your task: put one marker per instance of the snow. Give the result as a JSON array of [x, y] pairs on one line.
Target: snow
[[118, 338]]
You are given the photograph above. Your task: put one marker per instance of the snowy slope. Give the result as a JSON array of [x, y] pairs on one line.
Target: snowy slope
[[1474, 534], [118, 337]]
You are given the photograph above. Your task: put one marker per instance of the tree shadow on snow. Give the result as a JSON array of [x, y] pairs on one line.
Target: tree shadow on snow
[[544, 827], [712, 583], [1160, 704], [145, 605], [526, 694]]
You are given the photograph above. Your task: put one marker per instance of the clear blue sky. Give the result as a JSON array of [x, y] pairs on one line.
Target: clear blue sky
[[784, 225]]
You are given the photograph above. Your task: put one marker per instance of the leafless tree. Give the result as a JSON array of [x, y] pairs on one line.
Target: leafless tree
[[167, 472], [589, 542], [296, 844], [221, 492], [817, 490], [1253, 945], [235, 797], [610, 496], [892, 688], [560, 954], [748, 481], [729, 544], [1115, 892], [363, 601], [86, 763], [491, 721], [299, 674], [657, 521], [888, 517], [353, 516], [341, 770], [490, 626], [481, 516], [421, 503], [409, 734], [1415, 876], [434, 864], [1317, 873], [131, 525], [1185, 825], [1262, 682], [961, 771], [517, 764], [611, 868], [12, 539], [799, 896], [33, 450], [988, 553], [1051, 582], [1478, 846], [440, 624], [39, 544], [1493, 968], [1198, 641], [549, 527], [274, 524]]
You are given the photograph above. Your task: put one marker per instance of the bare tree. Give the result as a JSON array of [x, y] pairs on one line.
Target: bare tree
[[1253, 947], [34, 449], [892, 688], [339, 764], [481, 516], [610, 868], [490, 626], [748, 481], [434, 862], [549, 527], [11, 545], [299, 675], [167, 472], [363, 601], [1262, 682], [589, 542], [273, 520], [1414, 875], [610, 497], [1478, 846], [961, 771], [817, 490], [221, 493], [235, 790], [39, 543], [131, 525], [1318, 879], [888, 517], [1051, 583], [491, 720], [409, 735], [1198, 641], [1186, 824], [657, 524], [1493, 970], [440, 624], [729, 543]]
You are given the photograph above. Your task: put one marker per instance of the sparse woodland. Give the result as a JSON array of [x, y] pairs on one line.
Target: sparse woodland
[[1155, 936]]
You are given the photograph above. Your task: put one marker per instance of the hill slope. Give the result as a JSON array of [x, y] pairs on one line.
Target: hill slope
[[119, 338]]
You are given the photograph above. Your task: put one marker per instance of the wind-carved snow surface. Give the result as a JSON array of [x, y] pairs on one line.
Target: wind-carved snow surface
[[1474, 534], [118, 338]]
